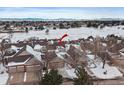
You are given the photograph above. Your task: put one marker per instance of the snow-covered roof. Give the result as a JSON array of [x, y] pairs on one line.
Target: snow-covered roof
[[18, 63], [104, 44], [122, 50], [38, 47], [15, 48], [88, 51], [3, 35], [61, 54], [67, 46], [122, 53], [34, 53], [51, 42], [77, 47], [91, 56]]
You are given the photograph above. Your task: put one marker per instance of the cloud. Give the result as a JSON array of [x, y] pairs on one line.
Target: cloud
[[61, 12]]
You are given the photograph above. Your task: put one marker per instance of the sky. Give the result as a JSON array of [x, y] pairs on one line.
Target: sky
[[62, 12]]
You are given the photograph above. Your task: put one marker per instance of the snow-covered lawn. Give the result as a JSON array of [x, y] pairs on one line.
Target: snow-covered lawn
[[67, 72], [108, 72], [3, 75], [74, 33]]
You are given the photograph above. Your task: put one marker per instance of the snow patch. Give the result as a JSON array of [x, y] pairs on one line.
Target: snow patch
[[68, 72], [3, 75], [108, 72]]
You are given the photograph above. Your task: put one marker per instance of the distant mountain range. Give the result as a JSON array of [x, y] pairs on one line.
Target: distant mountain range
[[59, 19], [36, 19]]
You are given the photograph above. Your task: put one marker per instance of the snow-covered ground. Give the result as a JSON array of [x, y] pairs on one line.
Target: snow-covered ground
[[74, 33], [3, 75], [3, 35], [67, 72], [108, 72]]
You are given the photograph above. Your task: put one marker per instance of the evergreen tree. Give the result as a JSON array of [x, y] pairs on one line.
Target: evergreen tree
[[36, 28], [52, 78], [40, 28], [61, 26], [26, 30], [47, 31], [75, 24], [31, 28], [82, 77]]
